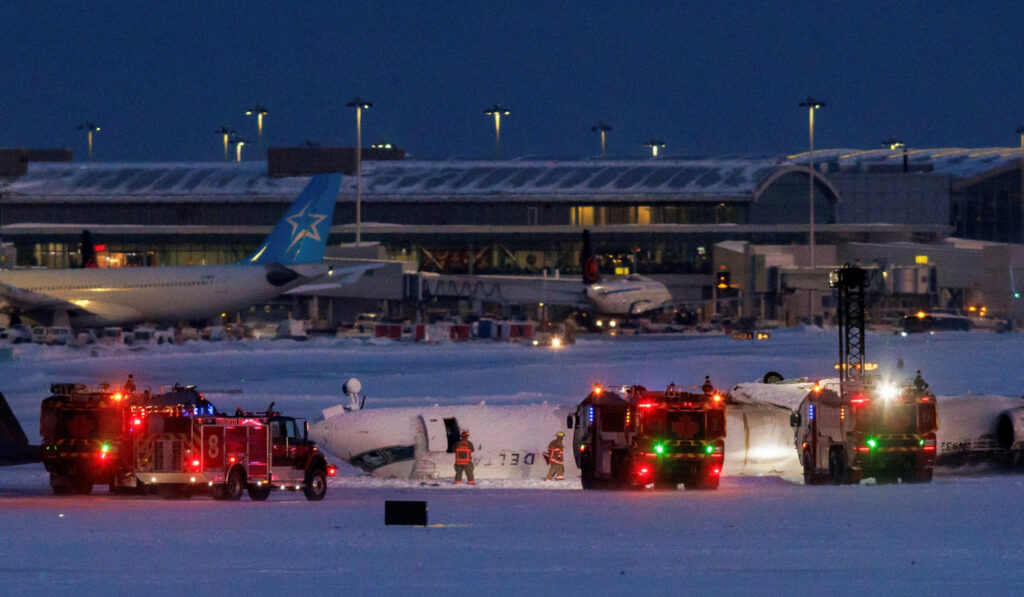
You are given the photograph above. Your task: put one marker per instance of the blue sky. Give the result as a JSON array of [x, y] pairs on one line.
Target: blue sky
[[708, 78]]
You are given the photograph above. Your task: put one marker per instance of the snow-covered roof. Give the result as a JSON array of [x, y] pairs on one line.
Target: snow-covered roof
[[958, 162], [407, 180]]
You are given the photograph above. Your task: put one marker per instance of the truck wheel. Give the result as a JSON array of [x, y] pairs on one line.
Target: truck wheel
[[232, 488], [259, 492], [837, 467], [809, 477], [316, 485], [60, 484]]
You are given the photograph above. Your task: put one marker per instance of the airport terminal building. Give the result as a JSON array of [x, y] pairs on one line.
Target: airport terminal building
[[661, 217]]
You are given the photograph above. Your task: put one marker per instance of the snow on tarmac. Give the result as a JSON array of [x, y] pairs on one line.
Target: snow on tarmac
[[753, 536]]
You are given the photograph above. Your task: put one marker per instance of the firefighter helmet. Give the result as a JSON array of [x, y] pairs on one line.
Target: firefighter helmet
[[465, 434], [560, 434]]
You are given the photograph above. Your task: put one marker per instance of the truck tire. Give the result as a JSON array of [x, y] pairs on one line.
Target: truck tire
[[316, 485], [837, 472], [61, 484], [232, 488], [259, 492]]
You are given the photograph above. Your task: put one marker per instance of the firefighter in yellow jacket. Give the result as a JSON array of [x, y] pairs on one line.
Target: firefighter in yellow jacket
[[556, 458], [464, 459]]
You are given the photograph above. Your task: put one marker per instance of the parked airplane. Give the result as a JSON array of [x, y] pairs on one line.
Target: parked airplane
[[419, 443], [14, 446], [628, 296], [290, 256]]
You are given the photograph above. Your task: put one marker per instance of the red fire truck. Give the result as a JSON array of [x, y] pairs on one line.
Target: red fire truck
[[635, 437], [181, 451]]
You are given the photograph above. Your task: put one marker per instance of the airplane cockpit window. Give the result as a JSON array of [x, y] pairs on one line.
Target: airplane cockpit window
[[451, 429], [374, 459]]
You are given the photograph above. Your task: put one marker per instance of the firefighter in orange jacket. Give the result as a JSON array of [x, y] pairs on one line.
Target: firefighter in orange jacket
[[556, 458], [464, 459]]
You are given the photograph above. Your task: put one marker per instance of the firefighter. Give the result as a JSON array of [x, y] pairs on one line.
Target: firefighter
[[464, 459], [129, 386], [919, 383], [556, 458]]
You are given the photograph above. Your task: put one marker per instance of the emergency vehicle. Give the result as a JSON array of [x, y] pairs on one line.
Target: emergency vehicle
[[861, 427], [636, 437], [181, 450], [85, 441]]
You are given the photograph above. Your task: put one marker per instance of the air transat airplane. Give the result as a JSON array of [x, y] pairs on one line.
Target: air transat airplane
[[290, 256]]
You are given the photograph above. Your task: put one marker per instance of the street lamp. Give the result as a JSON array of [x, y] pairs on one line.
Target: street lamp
[[602, 128], [497, 111], [259, 111], [90, 128], [226, 132], [654, 144], [811, 104], [893, 144], [359, 105]]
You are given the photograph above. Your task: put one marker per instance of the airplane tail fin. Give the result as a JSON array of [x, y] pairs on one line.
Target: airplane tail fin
[[88, 251], [14, 446], [301, 235], [587, 262]]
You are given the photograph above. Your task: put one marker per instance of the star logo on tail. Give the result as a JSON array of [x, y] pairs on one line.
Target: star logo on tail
[[304, 225]]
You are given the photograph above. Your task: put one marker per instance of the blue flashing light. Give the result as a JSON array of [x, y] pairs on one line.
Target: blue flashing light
[[810, 412], [590, 414]]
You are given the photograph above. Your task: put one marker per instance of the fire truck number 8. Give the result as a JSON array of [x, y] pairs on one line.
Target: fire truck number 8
[[213, 447]]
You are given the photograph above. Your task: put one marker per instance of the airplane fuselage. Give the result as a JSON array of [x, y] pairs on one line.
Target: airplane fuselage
[[632, 295], [96, 297]]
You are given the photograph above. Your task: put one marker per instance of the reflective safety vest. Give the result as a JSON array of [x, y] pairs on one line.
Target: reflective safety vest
[[463, 452], [557, 453]]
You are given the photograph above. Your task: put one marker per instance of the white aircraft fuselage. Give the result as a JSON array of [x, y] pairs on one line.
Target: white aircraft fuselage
[[413, 443], [132, 295], [632, 295]]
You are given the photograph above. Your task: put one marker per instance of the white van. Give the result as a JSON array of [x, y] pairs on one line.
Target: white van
[[112, 335], [58, 335], [39, 334]]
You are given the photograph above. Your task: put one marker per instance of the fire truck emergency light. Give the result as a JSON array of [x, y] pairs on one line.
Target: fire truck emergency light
[[659, 448]]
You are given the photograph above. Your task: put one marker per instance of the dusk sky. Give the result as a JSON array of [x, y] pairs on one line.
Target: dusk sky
[[707, 78]]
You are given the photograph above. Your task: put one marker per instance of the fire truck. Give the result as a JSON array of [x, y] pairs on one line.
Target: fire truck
[[84, 437], [181, 450], [860, 427], [635, 437]]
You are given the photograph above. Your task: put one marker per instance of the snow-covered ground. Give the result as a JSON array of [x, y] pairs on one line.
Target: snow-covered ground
[[755, 535]]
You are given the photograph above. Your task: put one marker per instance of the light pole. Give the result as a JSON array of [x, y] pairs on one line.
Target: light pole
[[602, 128], [893, 144], [90, 128], [497, 111], [226, 132], [811, 104], [359, 105], [259, 111], [654, 144]]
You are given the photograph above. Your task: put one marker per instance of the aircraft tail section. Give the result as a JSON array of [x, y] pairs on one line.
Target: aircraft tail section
[[88, 251], [587, 262], [301, 235], [14, 446]]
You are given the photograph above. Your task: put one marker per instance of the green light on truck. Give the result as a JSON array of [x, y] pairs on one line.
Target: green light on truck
[[709, 449], [871, 443], [105, 448], [659, 448]]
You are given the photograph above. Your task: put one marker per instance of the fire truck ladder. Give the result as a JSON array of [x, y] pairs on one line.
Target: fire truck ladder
[[849, 282]]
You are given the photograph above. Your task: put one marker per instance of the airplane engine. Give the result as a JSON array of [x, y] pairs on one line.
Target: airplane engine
[[1010, 429]]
